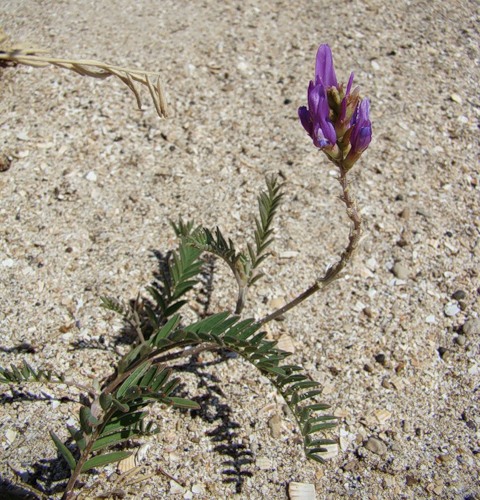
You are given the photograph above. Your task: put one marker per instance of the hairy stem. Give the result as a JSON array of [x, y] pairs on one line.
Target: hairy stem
[[68, 493], [333, 272], [241, 298]]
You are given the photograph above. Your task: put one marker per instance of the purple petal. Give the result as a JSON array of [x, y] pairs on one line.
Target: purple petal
[[361, 134], [306, 120], [324, 70]]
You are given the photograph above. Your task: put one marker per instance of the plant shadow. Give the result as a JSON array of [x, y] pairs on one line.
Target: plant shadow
[[214, 411]]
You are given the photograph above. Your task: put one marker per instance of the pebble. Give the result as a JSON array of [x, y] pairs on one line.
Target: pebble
[[275, 425], [461, 340], [285, 343], [380, 358], [451, 309], [430, 319], [368, 368], [459, 295], [176, 489], [376, 446], [443, 352], [289, 254], [471, 327], [456, 98], [375, 66], [91, 176], [10, 436], [22, 136], [400, 271], [263, 463], [405, 213], [411, 480], [198, 489]]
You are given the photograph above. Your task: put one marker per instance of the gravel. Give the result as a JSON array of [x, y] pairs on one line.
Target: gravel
[[88, 185]]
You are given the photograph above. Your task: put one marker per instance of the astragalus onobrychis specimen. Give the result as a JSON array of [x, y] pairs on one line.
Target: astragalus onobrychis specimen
[[113, 409]]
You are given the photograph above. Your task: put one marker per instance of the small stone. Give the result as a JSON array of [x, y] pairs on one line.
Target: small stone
[[22, 136], [400, 271], [285, 343], [10, 435], [5, 162], [368, 312], [456, 98], [376, 446], [91, 176], [275, 425], [463, 304], [243, 67], [176, 489], [451, 309], [445, 458], [263, 463], [471, 327], [411, 480], [386, 384], [380, 358], [405, 213], [350, 466], [375, 65], [459, 295], [461, 340], [368, 368], [397, 382], [289, 254], [442, 351], [430, 319], [198, 489]]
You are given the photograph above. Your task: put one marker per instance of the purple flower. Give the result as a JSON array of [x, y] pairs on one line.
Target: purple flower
[[361, 133], [324, 70], [315, 119], [336, 118]]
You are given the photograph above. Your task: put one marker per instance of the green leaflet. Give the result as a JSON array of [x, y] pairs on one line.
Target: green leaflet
[[101, 460], [132, 379], [64, 451], [115, 438], [122, 421], [184, 403]]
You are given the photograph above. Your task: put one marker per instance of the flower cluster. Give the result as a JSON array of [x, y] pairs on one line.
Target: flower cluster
[[337, 120]]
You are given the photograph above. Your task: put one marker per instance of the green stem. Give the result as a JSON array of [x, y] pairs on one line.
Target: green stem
[[333, 272]]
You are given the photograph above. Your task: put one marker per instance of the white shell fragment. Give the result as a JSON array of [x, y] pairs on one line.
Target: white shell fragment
[[301, 491], [332, 451], [382, 416], [126, 464]]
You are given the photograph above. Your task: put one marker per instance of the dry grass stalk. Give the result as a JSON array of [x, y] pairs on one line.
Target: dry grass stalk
[[21, 54]]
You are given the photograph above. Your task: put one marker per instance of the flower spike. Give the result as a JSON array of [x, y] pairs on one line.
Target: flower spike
[[336, 119]]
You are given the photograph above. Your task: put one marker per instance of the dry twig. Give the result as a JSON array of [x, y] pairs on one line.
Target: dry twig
[[31, 56]]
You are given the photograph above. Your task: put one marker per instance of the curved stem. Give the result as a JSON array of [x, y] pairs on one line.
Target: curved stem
[[333, 272]]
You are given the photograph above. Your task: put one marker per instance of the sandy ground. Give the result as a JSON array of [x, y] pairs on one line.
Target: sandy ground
[[93, 182]]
